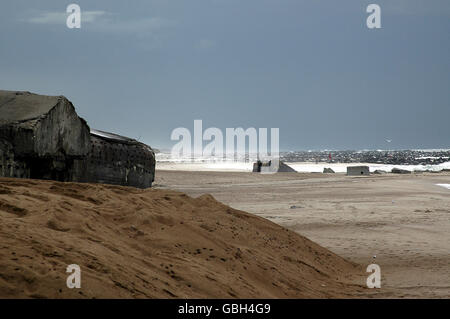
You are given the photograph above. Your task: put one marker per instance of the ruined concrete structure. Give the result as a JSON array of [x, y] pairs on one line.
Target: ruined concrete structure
[[358, 170], [42, 137], [269, 166]]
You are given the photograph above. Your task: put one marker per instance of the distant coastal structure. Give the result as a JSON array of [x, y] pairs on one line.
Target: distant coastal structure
[[282, 168], [42, 137], [358, 170]]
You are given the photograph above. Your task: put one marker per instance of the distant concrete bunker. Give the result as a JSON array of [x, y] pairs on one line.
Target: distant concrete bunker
[[271, 166], [42, 137], [358, 170]]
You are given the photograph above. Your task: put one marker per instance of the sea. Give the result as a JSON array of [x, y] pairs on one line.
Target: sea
[[418, 160]]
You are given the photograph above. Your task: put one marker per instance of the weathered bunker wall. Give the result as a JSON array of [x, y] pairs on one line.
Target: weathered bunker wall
[[42, 137], [358, 170], [120, 162]]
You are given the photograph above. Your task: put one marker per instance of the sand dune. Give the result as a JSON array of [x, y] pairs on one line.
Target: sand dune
[[134, 243], [402, 219]]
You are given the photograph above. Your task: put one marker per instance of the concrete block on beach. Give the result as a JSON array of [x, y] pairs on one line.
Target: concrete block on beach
[[396, 170], [270, 166], [358, 170]]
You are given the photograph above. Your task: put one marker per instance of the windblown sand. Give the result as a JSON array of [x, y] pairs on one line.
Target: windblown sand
[[401, 220], [153, 243]]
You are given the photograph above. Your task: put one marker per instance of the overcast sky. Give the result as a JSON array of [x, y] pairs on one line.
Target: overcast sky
[[311, 68]]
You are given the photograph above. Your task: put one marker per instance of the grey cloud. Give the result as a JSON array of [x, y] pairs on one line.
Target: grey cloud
[[61, 17], [102, 21]]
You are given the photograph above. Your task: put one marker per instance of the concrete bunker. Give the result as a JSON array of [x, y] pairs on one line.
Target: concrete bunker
[[42, 137], [358, 170], [271, 166]]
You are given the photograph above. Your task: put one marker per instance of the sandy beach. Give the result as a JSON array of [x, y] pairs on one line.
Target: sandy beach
[[400, 222], [154, 243], [228, 235]]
